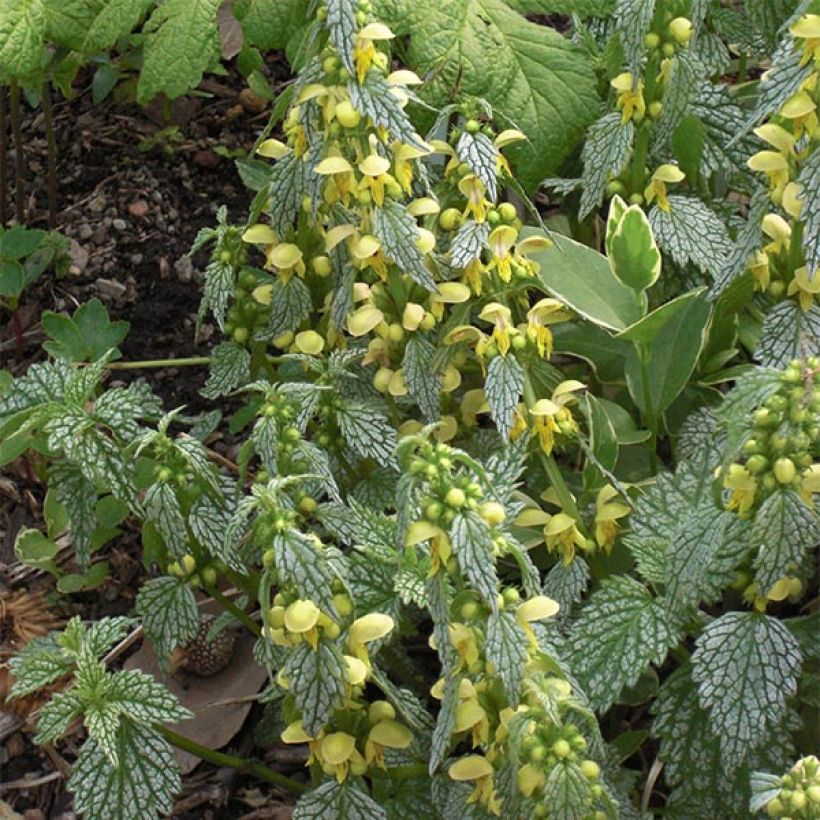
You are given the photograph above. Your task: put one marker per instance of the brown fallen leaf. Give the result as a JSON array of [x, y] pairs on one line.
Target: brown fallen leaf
[[220, 703]]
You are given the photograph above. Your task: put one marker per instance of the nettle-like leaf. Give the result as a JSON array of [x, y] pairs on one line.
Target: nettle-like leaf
[[472, 546], [606, 151], [141, 787], [716, 108], [782, 80], [269, 24], [618, 633], [469, 240], [567, 792], [79, 496], [375, 99], [809, 181], [567, 583], [182, 41], [217, 291], [22, 30], [503, 386], [230, 368], [783, 530], [528, 73], [788, 332], [478, 151], [746, 665], [162, 508], [506, 649], [399, 234], [142, 699], [317, 682], [423, 382], [169, 613], [333, 799], [300, 562], [632, 18], [290, 305], [92, 25], [691, 232], [40, 663], [56, 716], [367, 432], [684, 82]]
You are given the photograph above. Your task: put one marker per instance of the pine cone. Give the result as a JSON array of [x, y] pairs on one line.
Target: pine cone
[[203, 657]]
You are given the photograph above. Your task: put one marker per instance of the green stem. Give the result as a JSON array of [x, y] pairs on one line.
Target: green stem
[[51, 171], [741, 67], [649, 413], [231, 607], [638, 176], [242, 764], [191, 361], [19, 159], [407, 772]]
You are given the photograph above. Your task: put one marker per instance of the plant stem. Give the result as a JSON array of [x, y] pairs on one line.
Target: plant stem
[[407, 772], [649, 413], [19, 163], [4, 184], [191, 361], [242, 764], [51, 173], [231, 607]]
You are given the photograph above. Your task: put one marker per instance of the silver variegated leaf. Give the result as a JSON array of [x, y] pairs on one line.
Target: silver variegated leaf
[[809, 181], [142, 699], [506, 649], [368, 433], [230, 368], [782, 80], [788, 332], [317, 681], [342, 28], [567, 583], [471, 540], [376, 99], [423, 382], [79, 496], [399, 234], [632, 18], [333, 799], [162, 508], [503, 386], [567, 792], [218, 289], [290, 305], [605, 153], [478, 151], [120, 408], [56, 716], [170, 616], [684, 82], [301, 563], [469, 241]]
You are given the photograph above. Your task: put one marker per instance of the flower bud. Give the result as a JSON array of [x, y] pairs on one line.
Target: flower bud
[[680, 30]]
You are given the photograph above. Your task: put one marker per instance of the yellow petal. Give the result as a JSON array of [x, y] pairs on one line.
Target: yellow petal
[[260, 235], [568, 386], [767, 162], [420, 531], [533, 244], [363, 320], [301, 616], [311, 92], [502, 239], [507, 137], [262, 294], [792, 202], [544, 407], [799, 105], [801, 276], [623, 82], [426, 241], [493, 311], [294, 733], [470, 768], [403, 77], [668, 173], [537, 608], [452, 293], [285, 255], [532, 517], [775, 227], [338, 234], [273, 149], [392, 734], [333, 165], [376, 31], [807, 27], [423, 206], [338, 747], [370, 627], [412, 316], [468, 713], [356, 671], [777, 136], [560, 522], [374, 166], [366, 247], [309, 341]]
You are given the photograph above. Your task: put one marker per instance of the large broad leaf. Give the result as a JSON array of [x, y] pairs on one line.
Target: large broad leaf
[[269, 23], [22, 28], [746, 665], [631, 249], [620, 631], [653, 323], [169, 613], [582, 278], [673, 354], [89, 26], [529, 73], [182, 41]]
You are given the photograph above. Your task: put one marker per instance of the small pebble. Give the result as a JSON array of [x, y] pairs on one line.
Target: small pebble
[[119, 224], [110, 288], [138, 208]]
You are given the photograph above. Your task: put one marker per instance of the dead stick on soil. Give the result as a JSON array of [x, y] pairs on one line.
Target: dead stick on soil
[[19, 158], [4, 147], [25, 783], [51, 141]]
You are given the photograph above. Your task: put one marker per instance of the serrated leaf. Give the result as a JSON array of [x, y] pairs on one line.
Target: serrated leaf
[[782, 80], [746, 665], [142, 699], [445, 723], [140, 788], [684, 82], [217, 291], [470, 239], [342, 28], [44, 382], [333, 799], [209, 519], [230, 368], [528, 73], [809, 181], [39, 663], [632, 18], [78, 495], [317, 682], [566, 583], [606, 151], [170, 616], [783, 529], [162, 508], [368, 432], [120, 408], [503, 386], [788, 332], [375, 98], [506, 649], [717, 109], [290, 305], [423, 382], [269, 24], [691, 232], [618, 633], [90, 26], [86, 336], [301, 563], [399, 234], [478, 151], [22, 29], [472, 545], [182, 40], [56, 716], [567, 792]]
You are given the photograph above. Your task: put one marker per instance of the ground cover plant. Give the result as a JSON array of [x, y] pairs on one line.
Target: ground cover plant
[[518, 354]]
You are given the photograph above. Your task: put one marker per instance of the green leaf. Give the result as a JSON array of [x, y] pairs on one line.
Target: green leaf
[[56, 716], [581, 277], [503, 386], [470, 239], [673, 354], [399, 233], [423, 382], [269, 24], [691, 232], [39, 663], [89, 26], [528, 73], [34, 549], [230, 368], [567, 792], [317, 682], [142, 699], [333, 799], [140, 788], [290, 305], [181, 42], [633, 255], [301, 563], [86, 336], [605, 355], [170, 616], [566, 583], [22, 29], [647, 329], [368, 432], [606, 151], [11, 279], [688, 140], [809, 181], [788, 332], [19, 242], [603, 443], [506, 649], [783, 529], [621, 630], [472, 545], [746, 665]]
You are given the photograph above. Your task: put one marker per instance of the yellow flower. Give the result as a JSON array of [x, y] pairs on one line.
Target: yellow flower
[[503, 329], [364, 50], [805, 288], [553, 416], [463, 639], [759, 266], [301, 618], [337, 753], [562, 535], [477, 768], [366, 629], [447, 293], [506, 137], [501, 241], [471, 717], [403, 163], [607, 512], [543, 313], [272, 149], [295, 733], [810, 484], [801, 109], [630, 101], [309, 341], [792, 202], [808, 28], [375, 176], [472, 403], [473, 188], [535, 609], [341, 179], [386, 734], [742, 485], [775, 164], [664, 174], [286, 258]]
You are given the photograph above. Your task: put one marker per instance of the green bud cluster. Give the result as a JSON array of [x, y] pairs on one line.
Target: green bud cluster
[[197, 574], [246, 316], [799, 795]]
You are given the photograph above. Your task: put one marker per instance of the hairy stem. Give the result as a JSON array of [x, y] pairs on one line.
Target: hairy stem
[[231, 607], [242, 764], [19, 159], [191, 361], [51, 141]]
